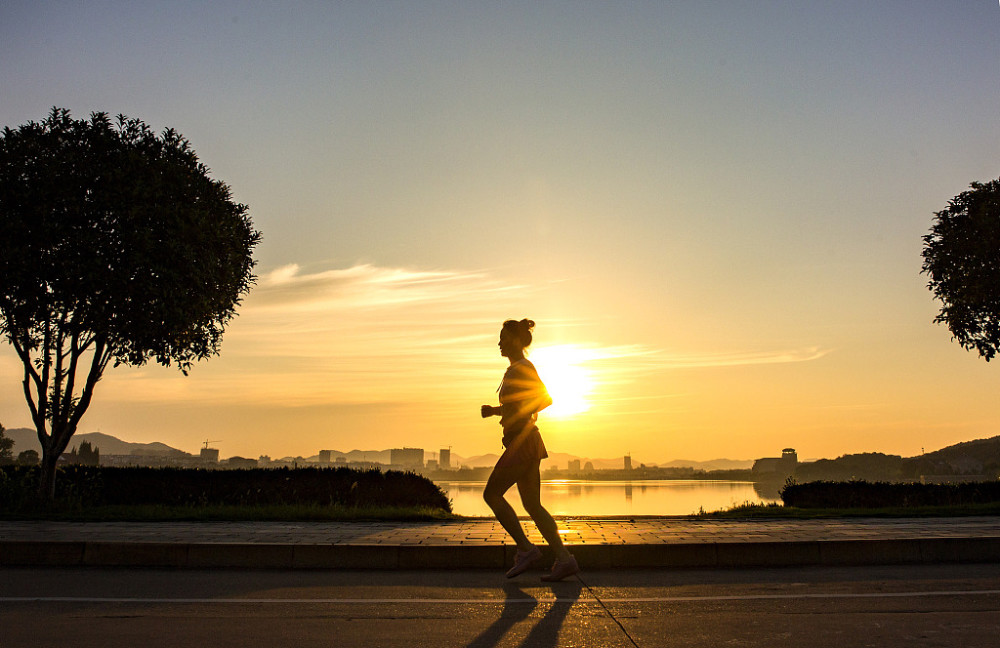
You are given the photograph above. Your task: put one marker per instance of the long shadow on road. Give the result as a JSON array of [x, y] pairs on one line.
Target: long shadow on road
[[518, 607]]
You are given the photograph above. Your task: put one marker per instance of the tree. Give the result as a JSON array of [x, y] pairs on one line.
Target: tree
[[6, 448], [115, 245], [89, 455], [962, 257], [27, 458]]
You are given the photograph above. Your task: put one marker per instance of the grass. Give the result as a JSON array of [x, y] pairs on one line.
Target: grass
[[220, 513]]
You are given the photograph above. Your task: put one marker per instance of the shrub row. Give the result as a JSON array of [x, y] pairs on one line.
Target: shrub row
[[863, 494], [94, 486]]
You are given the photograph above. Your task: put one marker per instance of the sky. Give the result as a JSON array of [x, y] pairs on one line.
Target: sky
[[713, 212]]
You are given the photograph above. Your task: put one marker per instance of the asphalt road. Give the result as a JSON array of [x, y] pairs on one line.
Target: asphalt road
[[928, 605]]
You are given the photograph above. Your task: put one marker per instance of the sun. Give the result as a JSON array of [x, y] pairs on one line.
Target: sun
[[570, 383]]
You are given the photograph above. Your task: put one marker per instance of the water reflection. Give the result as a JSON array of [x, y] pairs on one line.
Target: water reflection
[[649, 497]]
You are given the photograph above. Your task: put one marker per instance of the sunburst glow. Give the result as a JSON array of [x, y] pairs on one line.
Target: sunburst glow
[[570, 382]]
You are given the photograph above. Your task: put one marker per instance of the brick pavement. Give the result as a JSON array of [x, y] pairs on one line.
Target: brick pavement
[[482, 542], [488, 532]]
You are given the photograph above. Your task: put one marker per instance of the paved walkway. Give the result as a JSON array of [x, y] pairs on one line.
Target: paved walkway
[[482, 543], [488, 532]]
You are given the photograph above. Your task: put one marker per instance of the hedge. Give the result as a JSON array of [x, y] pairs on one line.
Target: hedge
[[95, 486], [863, 494]]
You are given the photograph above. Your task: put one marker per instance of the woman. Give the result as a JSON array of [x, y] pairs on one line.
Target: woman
[[522, 396]]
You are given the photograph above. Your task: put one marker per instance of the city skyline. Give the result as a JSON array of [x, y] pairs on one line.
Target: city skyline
[[116, 452], [712, 211]]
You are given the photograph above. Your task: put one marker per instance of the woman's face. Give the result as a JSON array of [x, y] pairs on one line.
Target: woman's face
[[508, 343]]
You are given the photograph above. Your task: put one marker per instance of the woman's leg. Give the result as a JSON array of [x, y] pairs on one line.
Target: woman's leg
[[530, 487], [500, 481]]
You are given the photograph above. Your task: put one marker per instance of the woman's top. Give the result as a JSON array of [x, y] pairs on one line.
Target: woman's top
[[522, 395]]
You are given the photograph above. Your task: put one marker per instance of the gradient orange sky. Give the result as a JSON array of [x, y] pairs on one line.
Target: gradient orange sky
[[713, 211]]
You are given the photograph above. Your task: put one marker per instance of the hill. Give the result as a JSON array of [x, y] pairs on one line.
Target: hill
[[27, 439], [869, 466], [978, 457]]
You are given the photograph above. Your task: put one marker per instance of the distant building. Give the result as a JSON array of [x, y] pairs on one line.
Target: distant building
[[432, 464], [588, 467], [119, 460], [574, 465], [780, 468], [628, 462], [324, 456], [444, 458], [407, 457], [209, 455], [241, 462]]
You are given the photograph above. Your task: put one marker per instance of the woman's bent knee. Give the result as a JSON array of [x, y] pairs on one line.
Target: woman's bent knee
[[534, 509], [492, 497]]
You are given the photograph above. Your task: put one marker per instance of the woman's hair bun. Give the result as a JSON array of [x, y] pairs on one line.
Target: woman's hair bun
[[522, 329]]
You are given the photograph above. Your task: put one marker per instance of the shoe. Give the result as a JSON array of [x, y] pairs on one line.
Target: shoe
[[561, 569], [523, 560]]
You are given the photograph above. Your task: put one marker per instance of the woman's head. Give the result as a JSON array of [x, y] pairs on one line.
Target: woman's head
[[515, 336]]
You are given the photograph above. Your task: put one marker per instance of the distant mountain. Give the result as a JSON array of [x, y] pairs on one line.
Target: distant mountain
[[27, 439], [24, 439], [869, 466], [981, 456]]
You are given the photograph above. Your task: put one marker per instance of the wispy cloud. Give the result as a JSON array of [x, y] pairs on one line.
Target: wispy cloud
[[368, 286], [374, 334], [357, 334], [642, 357], [732, 359]]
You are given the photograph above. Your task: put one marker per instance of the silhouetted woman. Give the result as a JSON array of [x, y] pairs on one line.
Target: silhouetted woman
[[522, 396]]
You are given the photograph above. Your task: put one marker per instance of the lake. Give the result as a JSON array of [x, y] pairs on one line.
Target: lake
[[647, 497]]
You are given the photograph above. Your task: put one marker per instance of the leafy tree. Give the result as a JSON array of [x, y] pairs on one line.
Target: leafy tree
[[87, 455], [6, 447], [962, 257], [115, 245], [27, 458]]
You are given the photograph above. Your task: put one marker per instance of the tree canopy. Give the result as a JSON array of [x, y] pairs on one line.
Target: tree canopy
[[962, 258], [6, 447], [115, 245]]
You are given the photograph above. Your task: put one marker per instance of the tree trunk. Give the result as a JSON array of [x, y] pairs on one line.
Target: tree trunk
[[47, 480]]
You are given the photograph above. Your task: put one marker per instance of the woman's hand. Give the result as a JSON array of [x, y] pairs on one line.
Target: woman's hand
[[489, 410]]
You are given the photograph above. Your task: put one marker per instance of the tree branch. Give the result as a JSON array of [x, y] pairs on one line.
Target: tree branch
[[30, 376], [58, 402], [43, 396], [74, 356], [102, 355]]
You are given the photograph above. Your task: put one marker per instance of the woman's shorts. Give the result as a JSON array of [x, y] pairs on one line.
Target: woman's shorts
[[523, 450]]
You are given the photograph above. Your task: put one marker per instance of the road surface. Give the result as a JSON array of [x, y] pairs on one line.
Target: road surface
[[911, 606]]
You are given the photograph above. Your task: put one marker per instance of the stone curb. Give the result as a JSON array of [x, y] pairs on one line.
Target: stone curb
[[382, 556]]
